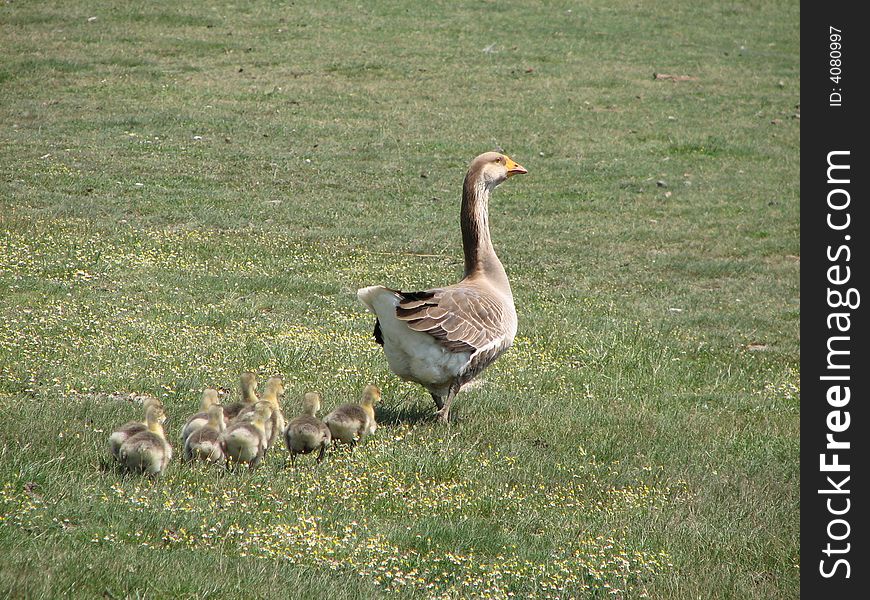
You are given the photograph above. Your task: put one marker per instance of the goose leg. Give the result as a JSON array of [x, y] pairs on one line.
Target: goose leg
[[321, 454], [438, 401], [443, 413]]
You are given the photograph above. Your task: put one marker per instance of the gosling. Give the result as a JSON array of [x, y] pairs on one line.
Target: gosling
[[204, 443], [277, 423], [197, 421], [245, 441], [127, 430], [148, 451], [350, 423], [306, 433], [248, 382]]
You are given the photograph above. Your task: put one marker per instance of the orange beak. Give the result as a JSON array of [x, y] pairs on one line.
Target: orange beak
[[514, 168]]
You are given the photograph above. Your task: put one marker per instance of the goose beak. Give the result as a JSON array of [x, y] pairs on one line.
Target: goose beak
[[513, 168]]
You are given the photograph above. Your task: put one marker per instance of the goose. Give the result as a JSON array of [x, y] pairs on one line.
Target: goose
[[148, 451], [306, 433], [198, 420], [350, 423], [444, 337], [275, 426], [245, 441], [248, 384], [125, 431], [204, 443]]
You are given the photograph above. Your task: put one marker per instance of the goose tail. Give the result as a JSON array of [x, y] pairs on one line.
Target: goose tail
[[369, 295]]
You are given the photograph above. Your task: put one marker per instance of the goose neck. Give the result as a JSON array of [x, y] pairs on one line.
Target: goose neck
[[474, 221]]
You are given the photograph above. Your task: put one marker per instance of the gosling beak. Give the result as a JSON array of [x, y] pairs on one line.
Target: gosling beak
[[513, 168]]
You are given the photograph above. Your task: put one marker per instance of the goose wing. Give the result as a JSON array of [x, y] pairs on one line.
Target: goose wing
[[462, 318]]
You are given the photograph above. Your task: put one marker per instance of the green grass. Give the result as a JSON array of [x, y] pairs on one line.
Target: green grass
[[189, 191]]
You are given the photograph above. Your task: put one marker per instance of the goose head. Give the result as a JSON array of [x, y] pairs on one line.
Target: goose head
[[493, 168]]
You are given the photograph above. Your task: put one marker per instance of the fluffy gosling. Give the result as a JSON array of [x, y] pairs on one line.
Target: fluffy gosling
[[276, 425], [198, 420], [350, 423], [125, 431], [204, 443], [245, 441], [148, 451], [248, 384], [306, 433]]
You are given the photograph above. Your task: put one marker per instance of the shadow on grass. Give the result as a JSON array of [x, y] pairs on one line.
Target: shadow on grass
[[412, 414], [110, 465]]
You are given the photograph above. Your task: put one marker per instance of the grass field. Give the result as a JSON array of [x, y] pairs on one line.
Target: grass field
[[189, 191]]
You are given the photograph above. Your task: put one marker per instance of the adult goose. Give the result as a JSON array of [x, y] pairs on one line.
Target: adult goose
[[444, 337]]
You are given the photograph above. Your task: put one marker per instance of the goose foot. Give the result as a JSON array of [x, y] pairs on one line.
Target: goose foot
[[443, 412]]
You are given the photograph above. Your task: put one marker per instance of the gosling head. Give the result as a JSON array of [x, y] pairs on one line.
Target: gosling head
[[149, 401], [209, 398], [248, 380], [493, 168], [155, 416], [275, 385], [311, 403], [215, 414], [248, 384], [371, 394]]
